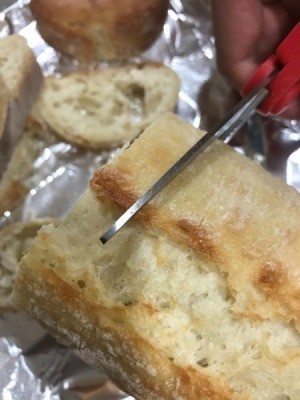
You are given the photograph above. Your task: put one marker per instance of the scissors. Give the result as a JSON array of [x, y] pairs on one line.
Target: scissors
[[272, 87]]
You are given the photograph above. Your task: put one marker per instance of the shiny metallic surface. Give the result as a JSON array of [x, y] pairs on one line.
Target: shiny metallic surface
[[32, 365], [293, 170]]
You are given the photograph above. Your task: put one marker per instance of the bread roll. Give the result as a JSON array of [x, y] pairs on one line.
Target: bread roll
[[100, 29], [198, 297], [106, 108]]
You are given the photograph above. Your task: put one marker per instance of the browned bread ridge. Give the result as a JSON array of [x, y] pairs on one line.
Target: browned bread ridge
[[100, 29], [198, 297]]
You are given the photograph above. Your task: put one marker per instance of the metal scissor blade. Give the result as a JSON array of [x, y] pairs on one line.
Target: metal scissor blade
[[224, 130]]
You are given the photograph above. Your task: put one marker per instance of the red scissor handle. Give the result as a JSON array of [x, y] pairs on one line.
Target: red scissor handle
[[280, 73]]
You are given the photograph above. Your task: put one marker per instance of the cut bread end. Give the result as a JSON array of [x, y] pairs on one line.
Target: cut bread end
[[15, 240], [107, 108]]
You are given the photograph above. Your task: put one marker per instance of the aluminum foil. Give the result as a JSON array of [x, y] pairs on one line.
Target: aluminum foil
[[32, 364]]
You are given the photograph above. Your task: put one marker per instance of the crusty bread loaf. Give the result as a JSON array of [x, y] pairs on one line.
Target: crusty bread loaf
[[108, 107], [15, 239], [23, 77], [101, 29], [198, 297], [14, 185]]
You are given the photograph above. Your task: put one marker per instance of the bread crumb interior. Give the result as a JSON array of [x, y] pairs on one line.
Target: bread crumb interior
[[179, 303]]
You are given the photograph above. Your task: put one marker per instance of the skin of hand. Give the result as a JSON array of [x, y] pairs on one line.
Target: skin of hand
[[247, 32]]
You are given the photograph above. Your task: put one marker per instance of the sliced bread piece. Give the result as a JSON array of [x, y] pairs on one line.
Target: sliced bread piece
[[15, 239], [23, 77], [13, 185], [198, 297], [106, 108]]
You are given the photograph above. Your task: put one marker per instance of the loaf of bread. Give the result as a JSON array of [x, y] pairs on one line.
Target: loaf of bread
[[100, 29], [197, 298], [105, 108], [14, 241], [23, 78]]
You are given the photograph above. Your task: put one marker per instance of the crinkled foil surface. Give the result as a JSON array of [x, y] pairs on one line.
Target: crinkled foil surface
[[32, 364]]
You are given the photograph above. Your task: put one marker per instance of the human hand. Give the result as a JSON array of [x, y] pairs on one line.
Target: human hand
[[247, 32]]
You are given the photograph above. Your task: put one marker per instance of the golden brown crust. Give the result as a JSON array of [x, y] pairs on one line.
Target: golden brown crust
[[100, 29], [104, 338], [109, 183], [253, 236]]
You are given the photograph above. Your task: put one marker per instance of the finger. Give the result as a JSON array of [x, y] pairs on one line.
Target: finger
[[239, 73], [247, 35], [293, 111], [237, 27]]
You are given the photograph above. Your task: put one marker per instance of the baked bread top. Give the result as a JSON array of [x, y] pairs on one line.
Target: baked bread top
[[245, 233], [100, 29]]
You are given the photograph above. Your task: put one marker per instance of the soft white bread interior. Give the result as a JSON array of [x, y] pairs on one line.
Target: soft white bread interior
[[198, 297], [108, 107], [14, 182], [23, 77], [14, 241], [100, 29]]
